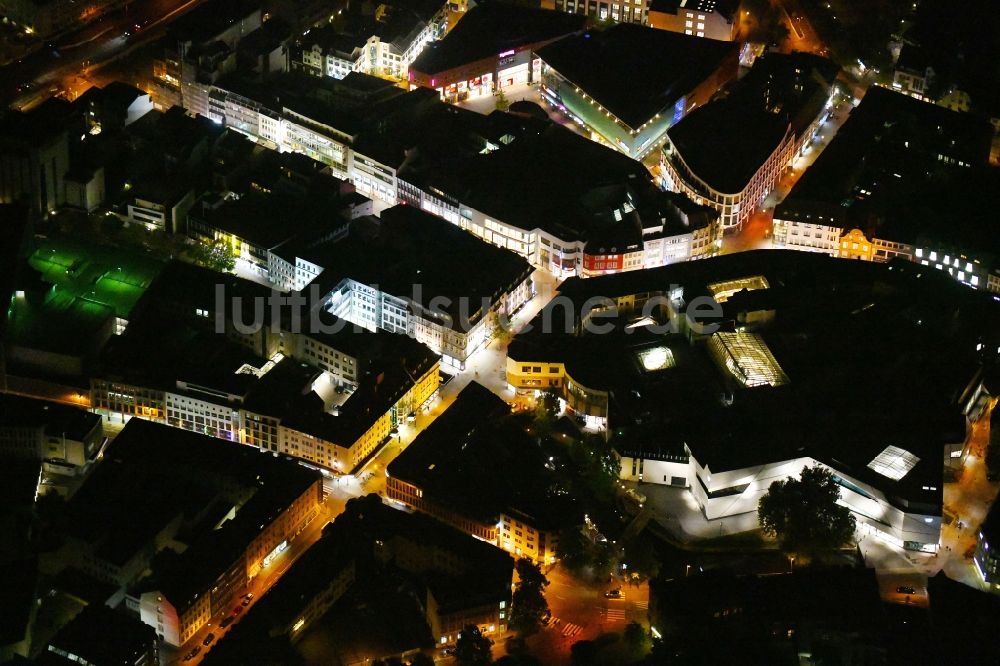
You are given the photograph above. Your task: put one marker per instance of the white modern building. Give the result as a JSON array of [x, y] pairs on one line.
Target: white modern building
[[725, 493], [325, 52], [453, 320]]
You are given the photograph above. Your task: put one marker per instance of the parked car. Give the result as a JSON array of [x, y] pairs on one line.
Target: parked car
[[226, 621], [193, 653], [208, 639]]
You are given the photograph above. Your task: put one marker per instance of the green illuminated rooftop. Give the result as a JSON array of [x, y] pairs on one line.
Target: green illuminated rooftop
[[96, 274]]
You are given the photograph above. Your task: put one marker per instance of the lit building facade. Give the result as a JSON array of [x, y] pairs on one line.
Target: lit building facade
[[215, 412], [912, 74], [686, 75], [528, 376], [490, 49], [178, 618], [713, 19], [606, 10], [894, 148], [344, 54], [978, 272], [735, 206], [721, 493]]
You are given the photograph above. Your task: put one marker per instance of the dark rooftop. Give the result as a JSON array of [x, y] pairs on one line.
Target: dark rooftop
[[18, 580], [117, 94], [750, 119], [101, 635], [598, 62], [796, 85], [56, 419], [745, 136], [184, 353], [474, 459], [366, 538], [269, 36], [480, 567], [567, 185], [490, 28], [960, 616], [207, 21], [330, 38], [724, 7], [884, 172], [39, 126], [389, 366], [454, 456], [813, 601], [990, 528], [402, 251], [267, 220], [147, 450]]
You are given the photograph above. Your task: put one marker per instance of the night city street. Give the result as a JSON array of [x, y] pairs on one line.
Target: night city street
[[642, 333]]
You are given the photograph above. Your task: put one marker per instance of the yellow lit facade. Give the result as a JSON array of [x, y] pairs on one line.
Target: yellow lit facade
[[340, 458], [535, 375], [521, 538], [542, 376], [176, 626], [854, 245]]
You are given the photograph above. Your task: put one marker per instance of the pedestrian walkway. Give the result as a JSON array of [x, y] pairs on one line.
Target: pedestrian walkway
[[568, 629], [571, 630], [614, 614]]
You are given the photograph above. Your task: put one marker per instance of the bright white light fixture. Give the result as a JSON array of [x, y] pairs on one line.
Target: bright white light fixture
[[894, 462]]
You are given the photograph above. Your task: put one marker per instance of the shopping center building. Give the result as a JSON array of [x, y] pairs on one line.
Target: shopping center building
[[583, 75], [724, 375], [491, 48], [581, 209], [761, 124]]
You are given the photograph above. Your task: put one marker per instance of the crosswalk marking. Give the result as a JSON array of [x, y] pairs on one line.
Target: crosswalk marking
[[571, 630], [616, 613]]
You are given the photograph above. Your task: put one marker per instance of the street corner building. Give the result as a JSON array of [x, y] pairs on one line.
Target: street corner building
[[473, 469], [730, 153], [178, 523], [421, 580]]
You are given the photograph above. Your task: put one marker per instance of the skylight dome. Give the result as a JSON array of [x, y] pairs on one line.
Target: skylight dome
[[894, 462]]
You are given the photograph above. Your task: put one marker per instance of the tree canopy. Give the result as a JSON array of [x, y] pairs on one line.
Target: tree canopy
[[472, 648], [803, 513], [528, 604]]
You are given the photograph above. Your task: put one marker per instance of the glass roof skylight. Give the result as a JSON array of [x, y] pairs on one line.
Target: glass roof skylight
[[894, 462], [722, 291], [746, 356], [656, 358]]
